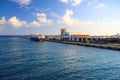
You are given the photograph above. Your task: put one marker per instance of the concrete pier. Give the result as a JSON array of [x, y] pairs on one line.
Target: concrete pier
[[111, 46]]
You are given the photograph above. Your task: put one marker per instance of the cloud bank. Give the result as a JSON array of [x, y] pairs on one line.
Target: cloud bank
[[16, 22], [2, 23], [68, 20]]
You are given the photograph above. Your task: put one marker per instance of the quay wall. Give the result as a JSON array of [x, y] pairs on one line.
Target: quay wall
[[111, 46]]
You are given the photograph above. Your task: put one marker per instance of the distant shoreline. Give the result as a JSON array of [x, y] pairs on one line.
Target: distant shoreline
[[12, 35], [110, 46]]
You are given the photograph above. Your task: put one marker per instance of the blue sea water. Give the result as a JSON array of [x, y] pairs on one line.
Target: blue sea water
[[22, 59]]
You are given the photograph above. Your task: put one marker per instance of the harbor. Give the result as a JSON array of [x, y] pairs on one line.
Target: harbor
[[59, 40], [104, 42]]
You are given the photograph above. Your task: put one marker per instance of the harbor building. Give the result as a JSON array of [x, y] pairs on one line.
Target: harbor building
[[72, 36], [63, 30], [79, 37], [86, 38]]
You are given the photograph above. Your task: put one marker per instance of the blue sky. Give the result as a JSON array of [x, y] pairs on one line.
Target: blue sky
[[94, 17]]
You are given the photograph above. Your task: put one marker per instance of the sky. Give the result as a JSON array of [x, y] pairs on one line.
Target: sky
[[94, 17]]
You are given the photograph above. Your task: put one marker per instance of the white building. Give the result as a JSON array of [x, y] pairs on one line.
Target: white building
[[73, 36]]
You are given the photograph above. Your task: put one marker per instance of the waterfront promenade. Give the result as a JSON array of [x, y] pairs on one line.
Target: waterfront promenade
[[112, 46]]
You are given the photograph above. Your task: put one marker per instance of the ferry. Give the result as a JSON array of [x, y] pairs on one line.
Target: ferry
[[37, 37]]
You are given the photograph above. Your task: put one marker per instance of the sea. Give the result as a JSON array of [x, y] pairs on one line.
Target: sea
[[23, 59]]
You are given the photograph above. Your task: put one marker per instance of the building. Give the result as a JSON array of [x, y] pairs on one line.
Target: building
[[63, 30], [74, 36], [85, 38]]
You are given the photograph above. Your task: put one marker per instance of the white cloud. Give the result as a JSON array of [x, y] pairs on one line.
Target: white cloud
[[72, 2], [66, 19], [100, 6], [64, 1], [35, 23], [22, 2], [69, 12], [95, 4], [2, 23], [76, 2], [43, 19], [16, 22]]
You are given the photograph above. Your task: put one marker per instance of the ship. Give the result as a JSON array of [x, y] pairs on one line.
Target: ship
[[37, 37]]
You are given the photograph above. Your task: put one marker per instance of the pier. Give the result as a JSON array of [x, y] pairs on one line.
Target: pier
[[111, 46]]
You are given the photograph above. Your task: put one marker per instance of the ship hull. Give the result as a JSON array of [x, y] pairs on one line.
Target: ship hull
[[37, 39]]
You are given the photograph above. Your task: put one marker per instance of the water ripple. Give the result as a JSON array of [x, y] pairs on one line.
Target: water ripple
[[22, 59]]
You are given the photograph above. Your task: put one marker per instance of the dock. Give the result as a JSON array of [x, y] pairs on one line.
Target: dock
[[111, 46]]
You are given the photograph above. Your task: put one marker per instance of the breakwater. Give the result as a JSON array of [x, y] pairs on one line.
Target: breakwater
[[112, 46]]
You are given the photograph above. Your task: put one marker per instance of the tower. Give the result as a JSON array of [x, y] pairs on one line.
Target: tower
[[63, 30]]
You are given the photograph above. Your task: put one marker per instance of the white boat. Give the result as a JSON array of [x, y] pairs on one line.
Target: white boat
[[37, 37]]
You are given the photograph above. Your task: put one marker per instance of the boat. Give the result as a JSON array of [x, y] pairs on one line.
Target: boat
[[37, 37]]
